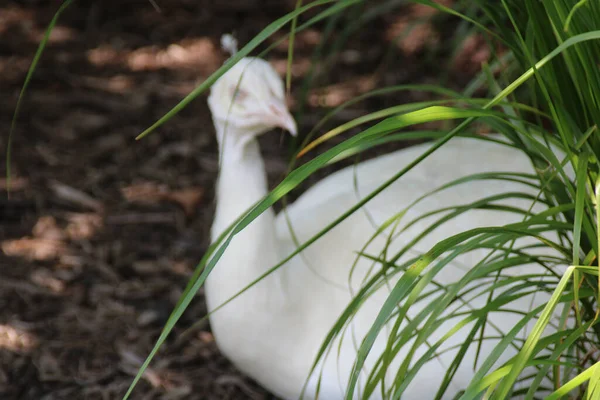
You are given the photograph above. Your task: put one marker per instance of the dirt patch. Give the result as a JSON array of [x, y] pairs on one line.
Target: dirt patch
[[101, 233]]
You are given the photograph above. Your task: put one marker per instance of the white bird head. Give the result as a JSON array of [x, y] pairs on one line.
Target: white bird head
[[249, 99]]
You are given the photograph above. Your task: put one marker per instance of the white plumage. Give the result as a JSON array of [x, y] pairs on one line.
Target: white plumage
[[273, 331]]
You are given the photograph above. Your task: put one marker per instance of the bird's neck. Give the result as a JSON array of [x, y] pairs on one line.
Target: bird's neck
[[242, 182]]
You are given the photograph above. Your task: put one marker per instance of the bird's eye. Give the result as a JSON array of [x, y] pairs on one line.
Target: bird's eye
[[238, 95]]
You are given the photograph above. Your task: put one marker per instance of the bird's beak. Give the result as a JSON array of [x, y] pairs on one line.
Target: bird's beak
[[281, 117]]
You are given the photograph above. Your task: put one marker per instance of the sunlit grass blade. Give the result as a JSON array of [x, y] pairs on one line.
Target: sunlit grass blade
[[593, 391], [370, 94], [577, 381], [524, 355], [368, 118]]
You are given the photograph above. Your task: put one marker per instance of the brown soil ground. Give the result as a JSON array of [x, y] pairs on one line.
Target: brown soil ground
[[100, 233]]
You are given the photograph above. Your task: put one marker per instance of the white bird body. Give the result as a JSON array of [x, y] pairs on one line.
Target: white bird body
[[273, 331]]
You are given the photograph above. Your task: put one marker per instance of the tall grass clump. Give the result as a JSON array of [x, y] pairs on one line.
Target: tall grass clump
[[548, 100], [543, 88]]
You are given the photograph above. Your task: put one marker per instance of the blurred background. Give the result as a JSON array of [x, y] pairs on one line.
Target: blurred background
[[100, 233]]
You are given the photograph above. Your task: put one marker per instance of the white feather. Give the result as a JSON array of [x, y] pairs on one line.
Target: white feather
[[229, 43]]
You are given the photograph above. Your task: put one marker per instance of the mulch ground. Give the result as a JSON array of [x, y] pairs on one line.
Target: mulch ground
[[100, 233]]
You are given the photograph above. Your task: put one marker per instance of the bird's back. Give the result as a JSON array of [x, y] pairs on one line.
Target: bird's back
[[325, 266], [334, 195]]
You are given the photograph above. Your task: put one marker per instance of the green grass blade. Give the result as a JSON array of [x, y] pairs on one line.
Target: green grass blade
[[579, 380], [526, 352], [30, 71]]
